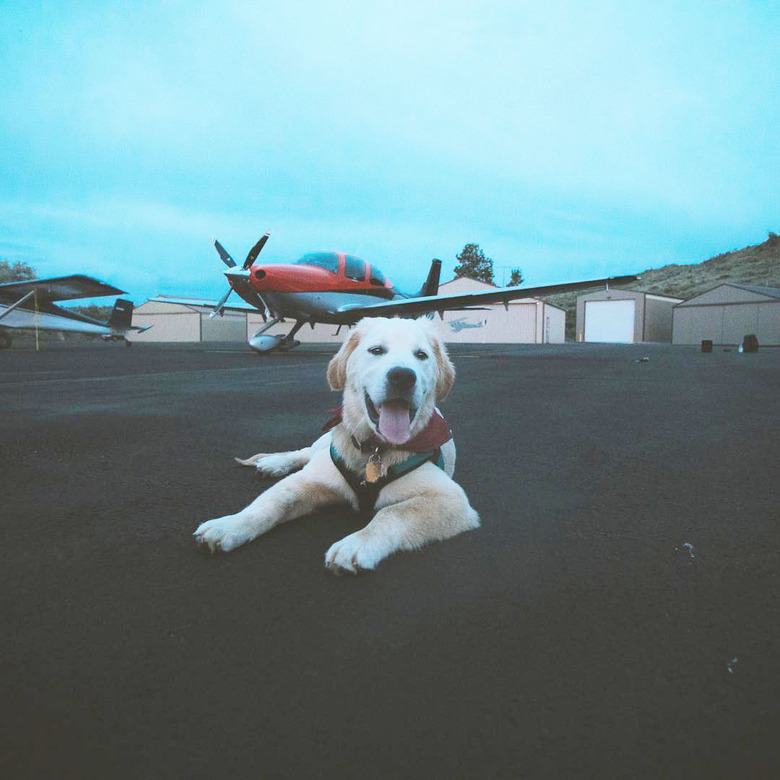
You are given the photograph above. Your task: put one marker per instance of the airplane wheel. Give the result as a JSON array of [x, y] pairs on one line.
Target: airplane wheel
[[128, 343], [5, 341]]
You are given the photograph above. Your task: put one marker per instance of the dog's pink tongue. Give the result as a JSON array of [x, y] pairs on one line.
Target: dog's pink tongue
[[395, 421]]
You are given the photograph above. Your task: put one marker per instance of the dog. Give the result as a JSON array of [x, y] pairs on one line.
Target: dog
[[388, 453]]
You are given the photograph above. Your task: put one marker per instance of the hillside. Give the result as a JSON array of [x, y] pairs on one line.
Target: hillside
[[758, 265]]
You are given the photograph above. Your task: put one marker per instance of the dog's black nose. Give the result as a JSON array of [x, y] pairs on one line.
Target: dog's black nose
[[401, 378]]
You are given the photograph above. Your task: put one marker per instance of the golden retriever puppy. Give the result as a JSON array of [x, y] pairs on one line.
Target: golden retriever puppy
[[387, 452]]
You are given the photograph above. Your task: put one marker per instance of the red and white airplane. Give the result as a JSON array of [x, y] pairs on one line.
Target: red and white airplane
[[340, 289]]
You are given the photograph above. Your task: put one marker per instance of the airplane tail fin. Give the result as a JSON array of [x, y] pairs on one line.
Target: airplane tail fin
[[122, 316], [431, 286]]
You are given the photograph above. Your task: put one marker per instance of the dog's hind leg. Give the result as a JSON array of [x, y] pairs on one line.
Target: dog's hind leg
[[279, 464]]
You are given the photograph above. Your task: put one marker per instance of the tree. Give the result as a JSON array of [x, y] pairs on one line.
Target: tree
[[16, 272], [96, 312], [473, 264], [516, 278]]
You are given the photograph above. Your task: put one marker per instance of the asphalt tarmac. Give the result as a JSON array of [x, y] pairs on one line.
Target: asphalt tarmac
[[617, 615]]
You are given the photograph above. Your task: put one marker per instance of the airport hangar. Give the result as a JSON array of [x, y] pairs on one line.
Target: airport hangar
[[524, 321], [186, 320], [728, 313], [624, 317]]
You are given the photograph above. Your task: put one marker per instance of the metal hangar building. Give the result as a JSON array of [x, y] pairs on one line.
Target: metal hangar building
[[186, 320], [728, 313], [624, 317]]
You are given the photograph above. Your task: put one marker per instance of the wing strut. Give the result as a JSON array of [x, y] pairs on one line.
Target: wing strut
[[17, 304]]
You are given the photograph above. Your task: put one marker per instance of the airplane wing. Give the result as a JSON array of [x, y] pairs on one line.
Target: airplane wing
[[61, 288], [413, 306]]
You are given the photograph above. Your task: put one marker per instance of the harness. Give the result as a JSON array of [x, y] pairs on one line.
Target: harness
[[367, 492], [425, 447]]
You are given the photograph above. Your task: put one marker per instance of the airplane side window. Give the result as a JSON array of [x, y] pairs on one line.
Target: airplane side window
[[377, 277], [327, 260], [354, 268]]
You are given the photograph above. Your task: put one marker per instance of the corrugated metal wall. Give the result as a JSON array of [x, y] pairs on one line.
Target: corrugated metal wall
[[231, 326], [494, 325], [725, 315], [170, 323], [728, 324], [658, 318], [181, 323], [554, 324]]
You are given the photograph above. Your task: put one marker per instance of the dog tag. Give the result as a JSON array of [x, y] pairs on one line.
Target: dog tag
[[374, 468]]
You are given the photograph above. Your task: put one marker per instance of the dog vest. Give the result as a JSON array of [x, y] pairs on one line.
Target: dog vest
[[425, 446]]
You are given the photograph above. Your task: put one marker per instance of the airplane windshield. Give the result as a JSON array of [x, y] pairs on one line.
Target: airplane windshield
[[327, 260], [377, 277], [354, 268]]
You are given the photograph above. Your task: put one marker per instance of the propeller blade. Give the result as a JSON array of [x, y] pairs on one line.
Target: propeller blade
[[226, 258], [255, 251], [221, 305]]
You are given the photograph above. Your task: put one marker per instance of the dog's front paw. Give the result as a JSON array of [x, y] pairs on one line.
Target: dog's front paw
[[354, 553], [276, 465], [223, 534]]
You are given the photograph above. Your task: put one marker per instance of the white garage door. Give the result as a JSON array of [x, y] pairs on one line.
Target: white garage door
[[610, 322]]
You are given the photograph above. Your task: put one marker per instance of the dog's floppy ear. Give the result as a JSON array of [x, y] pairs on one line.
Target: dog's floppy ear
[[445, 371], [337, 368]]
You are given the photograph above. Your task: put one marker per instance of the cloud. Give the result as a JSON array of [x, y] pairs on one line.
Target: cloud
[[564, 138]]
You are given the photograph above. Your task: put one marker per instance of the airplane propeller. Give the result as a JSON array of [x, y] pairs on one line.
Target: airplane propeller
[[255, 251], [226, 258], [239, 277]]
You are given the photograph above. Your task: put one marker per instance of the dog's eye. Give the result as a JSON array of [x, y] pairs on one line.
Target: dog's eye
[[377, 350], [420, 355]]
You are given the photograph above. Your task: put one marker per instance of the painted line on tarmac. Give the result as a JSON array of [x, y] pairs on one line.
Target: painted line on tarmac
[[244, 352], [247, 352], [185, 374], [119, 377]]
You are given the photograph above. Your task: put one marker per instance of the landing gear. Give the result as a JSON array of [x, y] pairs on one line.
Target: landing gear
[[263, 343]]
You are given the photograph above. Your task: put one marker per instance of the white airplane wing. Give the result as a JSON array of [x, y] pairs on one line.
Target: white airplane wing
[[60, 288], [440, 303]]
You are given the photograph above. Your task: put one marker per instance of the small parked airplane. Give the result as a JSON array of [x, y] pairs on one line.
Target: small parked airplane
[[340, 289], [29, 305]]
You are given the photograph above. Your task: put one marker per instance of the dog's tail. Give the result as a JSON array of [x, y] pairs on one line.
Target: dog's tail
[[252, 460]]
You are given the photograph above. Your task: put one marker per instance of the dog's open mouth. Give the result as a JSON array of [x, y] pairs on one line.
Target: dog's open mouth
[[392, 418]]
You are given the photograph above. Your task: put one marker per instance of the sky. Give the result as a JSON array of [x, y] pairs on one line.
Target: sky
[[569, 139]]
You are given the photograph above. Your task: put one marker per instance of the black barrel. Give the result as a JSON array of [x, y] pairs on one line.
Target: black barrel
[[750, 344]]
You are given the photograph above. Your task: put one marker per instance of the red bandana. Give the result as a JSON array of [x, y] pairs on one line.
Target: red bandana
[[432, 436]]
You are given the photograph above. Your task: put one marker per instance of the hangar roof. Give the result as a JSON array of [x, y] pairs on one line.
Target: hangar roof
[[772, 292], [720, 294]]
